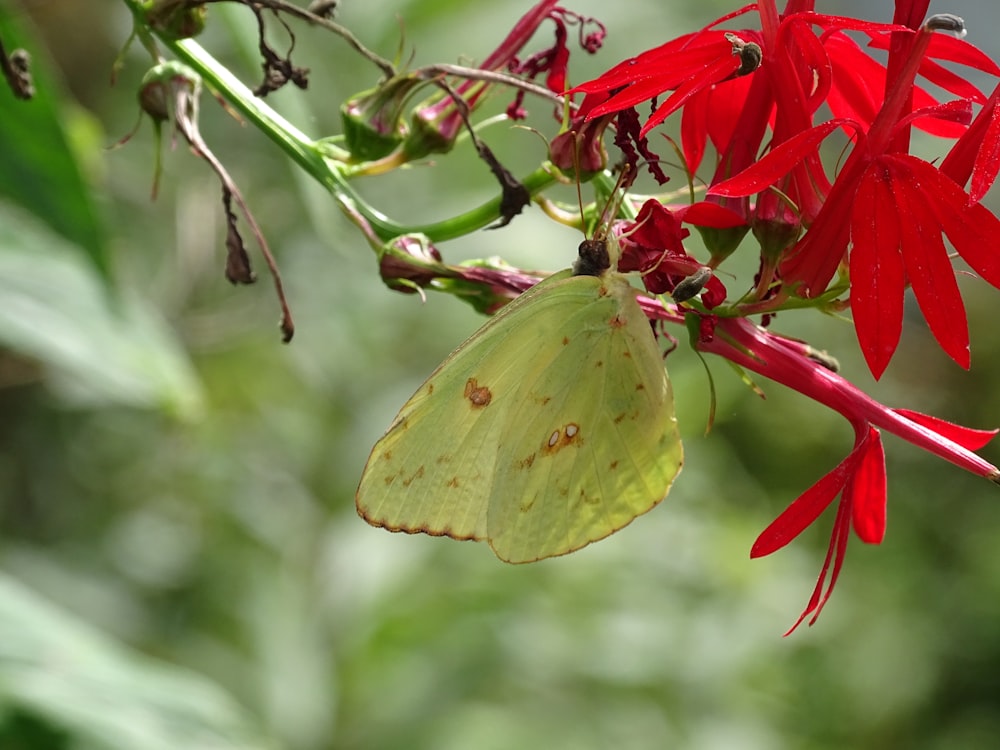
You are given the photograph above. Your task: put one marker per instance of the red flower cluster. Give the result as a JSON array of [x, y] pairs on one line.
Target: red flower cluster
[[765, 98]]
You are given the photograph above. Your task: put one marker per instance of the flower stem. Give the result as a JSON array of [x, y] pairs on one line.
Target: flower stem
[[753, 348], [323, 162]]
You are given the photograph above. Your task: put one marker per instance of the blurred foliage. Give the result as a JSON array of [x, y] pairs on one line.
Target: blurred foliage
[[180, 549]]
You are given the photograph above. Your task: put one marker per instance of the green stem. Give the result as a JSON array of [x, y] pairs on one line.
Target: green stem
[[483, 215], [315, 158]]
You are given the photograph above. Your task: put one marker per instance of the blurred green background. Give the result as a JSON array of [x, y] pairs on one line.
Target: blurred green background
[[181, 565]]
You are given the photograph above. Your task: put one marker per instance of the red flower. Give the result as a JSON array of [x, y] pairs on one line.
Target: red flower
[[859, 82], [901, 207], [653, 245], [894, 209], [684, 65], [707, 73], [859, 479]]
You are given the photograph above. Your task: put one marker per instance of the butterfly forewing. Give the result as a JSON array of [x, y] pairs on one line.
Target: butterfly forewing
[[434, 468]]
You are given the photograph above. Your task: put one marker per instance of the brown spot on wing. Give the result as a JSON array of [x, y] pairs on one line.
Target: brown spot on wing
[[479, 396], [582, 498], [617, 322], [562, 437], [418, 474], [525, 463]]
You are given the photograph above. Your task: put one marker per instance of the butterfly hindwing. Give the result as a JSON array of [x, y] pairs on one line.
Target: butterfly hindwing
[[596, 440]]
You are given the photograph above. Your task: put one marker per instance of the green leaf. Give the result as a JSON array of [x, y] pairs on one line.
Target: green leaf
[[41, 142], [55, 308], [76, 678]]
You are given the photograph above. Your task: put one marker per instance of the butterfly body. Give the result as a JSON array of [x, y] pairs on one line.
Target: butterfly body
[[551, 427]]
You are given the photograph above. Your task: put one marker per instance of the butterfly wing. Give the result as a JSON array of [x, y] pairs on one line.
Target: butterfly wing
[[593, 441], [433, 471], [550, 428]]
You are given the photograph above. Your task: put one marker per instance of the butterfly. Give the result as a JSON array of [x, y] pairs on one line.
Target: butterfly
[[551, 427]]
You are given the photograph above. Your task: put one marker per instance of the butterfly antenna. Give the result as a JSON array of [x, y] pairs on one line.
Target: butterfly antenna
[[614, 204], [579, 190]]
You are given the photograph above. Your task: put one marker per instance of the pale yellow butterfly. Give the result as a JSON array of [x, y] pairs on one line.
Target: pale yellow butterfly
[[551, 427]]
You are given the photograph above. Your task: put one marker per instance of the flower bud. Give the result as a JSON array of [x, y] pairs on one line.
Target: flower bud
[[373, 125], [410, 263], [177, 19], [581, 147]]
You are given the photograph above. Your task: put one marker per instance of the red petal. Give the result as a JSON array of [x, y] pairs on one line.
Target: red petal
[[844, 22], [805, 57], [967, 437], [779, 162], [803, 511], [646, 64], [952, 82], [975, 233], [984, 171], [665, 66], [711, 74], [838, 545], [952, 49], [727, 105], [950, 120], [694, 130], [656, 226], [708, 214], [868, 491], [835, 552], [876, 269], [636, 93], [858, 80], [924, 255], [859, 88], [958, 164], [973, 230]]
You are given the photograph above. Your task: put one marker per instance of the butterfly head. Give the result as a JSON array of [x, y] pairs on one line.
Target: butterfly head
[[594, 258]]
